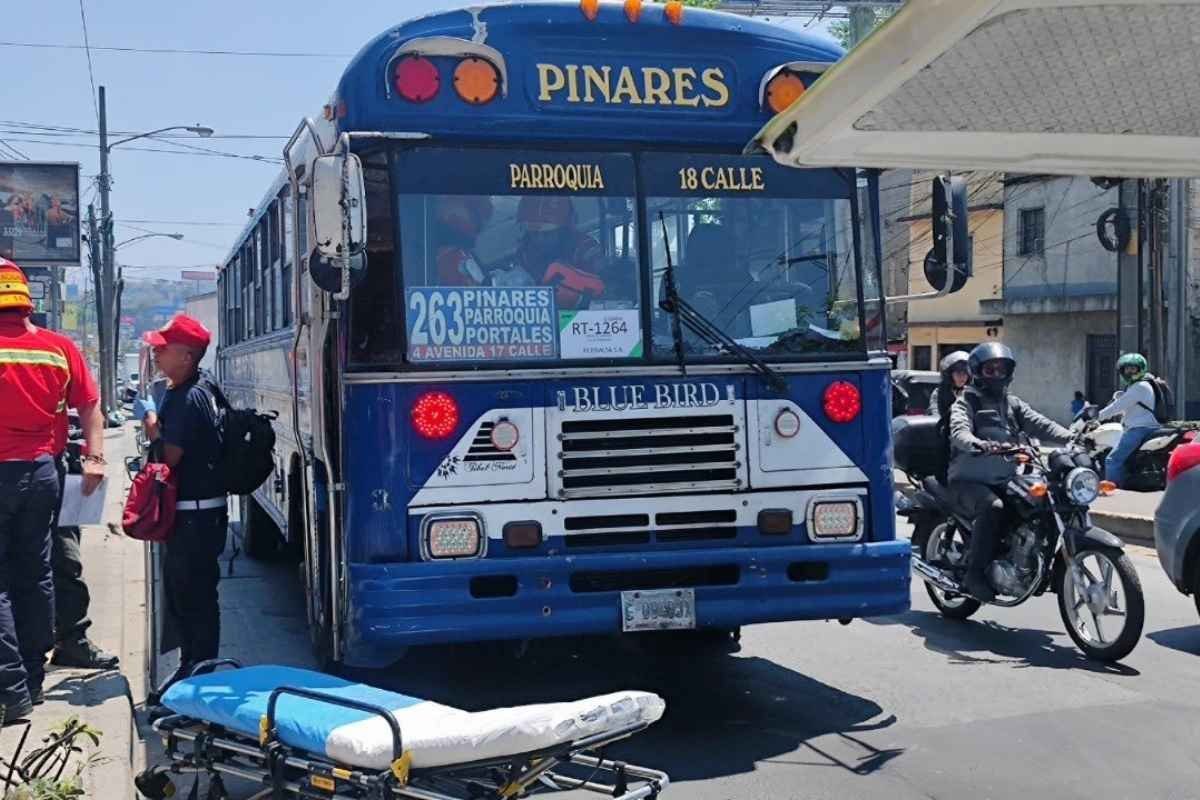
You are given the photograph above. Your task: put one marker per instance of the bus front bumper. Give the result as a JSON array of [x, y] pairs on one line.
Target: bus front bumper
[[393, 606]]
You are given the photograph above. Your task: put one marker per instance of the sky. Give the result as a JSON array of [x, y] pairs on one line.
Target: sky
[[201, 196]]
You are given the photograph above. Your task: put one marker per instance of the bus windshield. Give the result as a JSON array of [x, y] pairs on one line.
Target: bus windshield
[[531, 258]]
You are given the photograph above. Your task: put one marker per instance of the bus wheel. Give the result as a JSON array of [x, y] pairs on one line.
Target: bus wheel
[[260, 536]]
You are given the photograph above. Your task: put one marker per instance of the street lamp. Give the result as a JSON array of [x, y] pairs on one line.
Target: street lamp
[[176, 236], [107, 292]]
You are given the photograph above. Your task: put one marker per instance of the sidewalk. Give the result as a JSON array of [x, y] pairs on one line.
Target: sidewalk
[[1129, 515], [113, 567]]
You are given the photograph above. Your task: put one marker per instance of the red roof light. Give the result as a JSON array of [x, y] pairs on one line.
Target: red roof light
[[416, 79]]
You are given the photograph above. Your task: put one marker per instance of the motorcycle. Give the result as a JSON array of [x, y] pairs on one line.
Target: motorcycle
[[1148, 465], [1048, 544]]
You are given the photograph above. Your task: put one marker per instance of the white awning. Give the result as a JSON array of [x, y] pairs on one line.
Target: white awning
[[1068, 87]]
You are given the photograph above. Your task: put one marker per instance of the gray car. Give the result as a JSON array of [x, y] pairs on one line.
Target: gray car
[[1177, 521]]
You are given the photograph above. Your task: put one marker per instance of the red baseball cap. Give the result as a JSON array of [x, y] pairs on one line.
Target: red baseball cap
[[183, 330]]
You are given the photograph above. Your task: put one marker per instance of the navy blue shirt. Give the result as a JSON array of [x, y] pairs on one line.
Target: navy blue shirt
[[188, 420]]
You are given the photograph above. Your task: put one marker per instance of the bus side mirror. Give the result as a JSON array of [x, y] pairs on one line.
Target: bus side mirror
[[339, 207], [948, 263]]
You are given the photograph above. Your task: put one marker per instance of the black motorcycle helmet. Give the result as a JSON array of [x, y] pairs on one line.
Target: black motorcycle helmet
[[985, 353], [957, 360]]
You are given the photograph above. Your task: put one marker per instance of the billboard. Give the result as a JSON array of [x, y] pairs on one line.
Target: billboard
[[39, 212]]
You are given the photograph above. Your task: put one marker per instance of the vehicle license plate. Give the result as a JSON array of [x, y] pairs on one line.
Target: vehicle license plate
[[658, 610]]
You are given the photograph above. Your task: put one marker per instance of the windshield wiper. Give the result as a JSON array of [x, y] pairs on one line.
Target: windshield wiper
[[682, 312]]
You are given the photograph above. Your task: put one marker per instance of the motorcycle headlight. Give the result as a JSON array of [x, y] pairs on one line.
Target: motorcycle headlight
[[1083, 486]]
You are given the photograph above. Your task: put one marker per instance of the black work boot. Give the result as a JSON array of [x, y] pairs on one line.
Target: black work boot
[[977, 586], [83, 653], [15, 711]]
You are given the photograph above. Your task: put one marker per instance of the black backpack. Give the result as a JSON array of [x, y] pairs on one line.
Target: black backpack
[[1164, 400], [247, 444]]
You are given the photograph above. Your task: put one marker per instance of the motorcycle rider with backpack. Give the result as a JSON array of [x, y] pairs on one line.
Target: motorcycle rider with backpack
[[985, 419], [1138, 406]]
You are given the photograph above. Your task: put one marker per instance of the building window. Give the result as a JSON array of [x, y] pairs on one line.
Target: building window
[[922, 356], [1033, 232]]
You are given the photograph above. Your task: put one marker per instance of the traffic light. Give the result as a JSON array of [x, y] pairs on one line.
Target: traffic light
[[949, 220]]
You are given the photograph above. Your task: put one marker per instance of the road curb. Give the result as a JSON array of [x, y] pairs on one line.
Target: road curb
[[1134, 530], [1130, 528]]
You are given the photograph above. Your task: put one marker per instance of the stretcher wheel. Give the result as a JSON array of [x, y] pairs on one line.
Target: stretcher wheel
[[154, 784]]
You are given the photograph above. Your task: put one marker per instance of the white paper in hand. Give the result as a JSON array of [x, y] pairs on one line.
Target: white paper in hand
[[78, 509]]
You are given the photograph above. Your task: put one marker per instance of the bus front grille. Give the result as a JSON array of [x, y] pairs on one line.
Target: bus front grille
[[648, 455]]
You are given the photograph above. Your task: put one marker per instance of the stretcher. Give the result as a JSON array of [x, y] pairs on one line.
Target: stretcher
[[305, 734]]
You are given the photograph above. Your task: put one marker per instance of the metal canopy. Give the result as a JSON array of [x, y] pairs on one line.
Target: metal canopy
[[1069, 87]]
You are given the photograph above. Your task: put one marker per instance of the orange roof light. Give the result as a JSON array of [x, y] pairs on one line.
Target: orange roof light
[[674, 12], [633, 9], [783, 90], [476, 81], [590, 9]]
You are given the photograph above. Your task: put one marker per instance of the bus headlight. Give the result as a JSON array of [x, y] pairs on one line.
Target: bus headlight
[[453, 537], [1083, 486], [834, 519]]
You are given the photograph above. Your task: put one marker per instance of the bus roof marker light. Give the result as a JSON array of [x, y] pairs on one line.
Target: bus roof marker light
[[633, 10], [674, 12], [590, 9], [435, 415], [783, 90], [842, 402], [476, 81], [416, 79]]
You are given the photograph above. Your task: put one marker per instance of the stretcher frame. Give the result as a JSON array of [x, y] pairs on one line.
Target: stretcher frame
[[197, 747]]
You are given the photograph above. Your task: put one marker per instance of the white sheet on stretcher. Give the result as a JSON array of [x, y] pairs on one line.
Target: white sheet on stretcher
[[435, 735]]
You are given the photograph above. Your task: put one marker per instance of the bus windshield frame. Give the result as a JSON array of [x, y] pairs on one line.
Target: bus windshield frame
[[542, 259]]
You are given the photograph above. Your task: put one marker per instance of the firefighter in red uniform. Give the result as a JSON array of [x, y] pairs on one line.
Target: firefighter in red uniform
[[41, 373]]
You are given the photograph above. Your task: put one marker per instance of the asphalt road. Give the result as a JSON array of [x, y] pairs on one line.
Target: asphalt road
[[912, 706]]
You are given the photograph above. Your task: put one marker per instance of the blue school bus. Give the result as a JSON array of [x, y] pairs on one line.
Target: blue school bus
[[551, 355]]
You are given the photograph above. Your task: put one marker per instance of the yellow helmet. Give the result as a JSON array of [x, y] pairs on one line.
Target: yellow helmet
[[14, 288]]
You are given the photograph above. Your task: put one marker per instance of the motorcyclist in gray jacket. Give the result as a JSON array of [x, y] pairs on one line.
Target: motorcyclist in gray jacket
[[984, 420]]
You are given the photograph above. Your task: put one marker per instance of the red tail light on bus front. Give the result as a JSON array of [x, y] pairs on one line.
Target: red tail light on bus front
[[435, 415], [842, 402]]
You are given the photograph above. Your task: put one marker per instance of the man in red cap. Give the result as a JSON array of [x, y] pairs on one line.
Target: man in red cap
[[190, 438], [41, 374]]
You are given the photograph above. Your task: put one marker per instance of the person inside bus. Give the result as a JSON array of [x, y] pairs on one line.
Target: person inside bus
[[554, 250], [458, 222]]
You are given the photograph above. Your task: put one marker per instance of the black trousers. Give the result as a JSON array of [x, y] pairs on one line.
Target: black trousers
[[985, 507], [71, 596], [191, 572], [28, 500]]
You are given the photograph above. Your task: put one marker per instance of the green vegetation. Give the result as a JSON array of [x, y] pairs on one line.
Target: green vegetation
[[53, 771]]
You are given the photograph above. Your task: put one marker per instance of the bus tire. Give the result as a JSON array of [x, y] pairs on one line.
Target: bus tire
[[294, 544], [260, 536]]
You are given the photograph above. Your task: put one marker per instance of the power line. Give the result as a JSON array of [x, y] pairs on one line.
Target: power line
[[13, 150], [174, 50], [21, 127], [207, 153], [88, 49], [180, 222]]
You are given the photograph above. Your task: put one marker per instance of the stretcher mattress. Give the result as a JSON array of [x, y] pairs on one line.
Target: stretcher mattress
[[434, 734]]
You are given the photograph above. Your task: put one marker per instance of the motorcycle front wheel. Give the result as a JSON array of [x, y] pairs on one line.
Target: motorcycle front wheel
[[1101, 602], [944, 545]]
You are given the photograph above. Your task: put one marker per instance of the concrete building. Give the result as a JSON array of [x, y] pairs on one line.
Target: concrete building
[[1059, 292], [957, 321], [204, 308]]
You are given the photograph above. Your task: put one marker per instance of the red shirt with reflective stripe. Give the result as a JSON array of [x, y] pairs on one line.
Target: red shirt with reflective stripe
[[41, 374]]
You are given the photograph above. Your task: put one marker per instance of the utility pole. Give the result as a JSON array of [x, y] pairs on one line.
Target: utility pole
[[94, 250], [105, 286], [1129, 282], [862, 22], [1178, 351], [1156, 224]]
